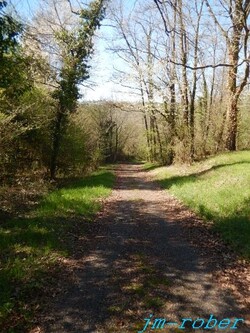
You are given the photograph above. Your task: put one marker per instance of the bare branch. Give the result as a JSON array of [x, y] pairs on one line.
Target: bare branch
[[71, 8], [207, 66], [216, 20], [162, 16]]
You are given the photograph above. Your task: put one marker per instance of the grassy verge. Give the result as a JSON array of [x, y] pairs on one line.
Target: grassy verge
[[218, 189], [148, 166], [31, 246]]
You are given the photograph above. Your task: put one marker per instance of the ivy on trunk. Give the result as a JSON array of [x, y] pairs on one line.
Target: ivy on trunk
[[76, 46]]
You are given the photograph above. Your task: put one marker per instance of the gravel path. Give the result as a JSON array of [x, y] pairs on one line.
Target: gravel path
[[138, 263]]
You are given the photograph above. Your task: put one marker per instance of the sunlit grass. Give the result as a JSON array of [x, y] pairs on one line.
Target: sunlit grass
[[78, 198], [150, 166], [30, 247], [219, 190]]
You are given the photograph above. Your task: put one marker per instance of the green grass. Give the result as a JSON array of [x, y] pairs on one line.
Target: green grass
[[31, 246], [79, 197], [148, 166], [153, 302], [218, 189]]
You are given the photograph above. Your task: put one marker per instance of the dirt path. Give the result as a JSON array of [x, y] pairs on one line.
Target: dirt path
[[138, 263]]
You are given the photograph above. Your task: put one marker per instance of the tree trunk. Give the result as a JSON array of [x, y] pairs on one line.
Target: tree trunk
[[232, 113], [232, 120], [145, 119], [56, 143], [183, 48]]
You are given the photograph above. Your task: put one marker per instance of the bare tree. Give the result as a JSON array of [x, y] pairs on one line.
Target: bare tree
[[236, 34], [136, 46]]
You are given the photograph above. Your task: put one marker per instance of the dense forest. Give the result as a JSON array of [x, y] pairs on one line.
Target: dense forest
[[186, 63]]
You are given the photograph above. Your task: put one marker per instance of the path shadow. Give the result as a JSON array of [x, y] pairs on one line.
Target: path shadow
[[137, 264]]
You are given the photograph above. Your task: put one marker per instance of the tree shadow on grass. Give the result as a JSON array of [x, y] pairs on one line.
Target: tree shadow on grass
[[235, 226], [192, 177], [235, 230], [31, 245], [137, 265], [134, 263], [30, 250]]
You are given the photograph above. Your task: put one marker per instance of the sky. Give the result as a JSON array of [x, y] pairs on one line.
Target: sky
[[103, 64], [101, 84], [24, 8]]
